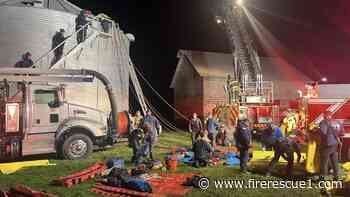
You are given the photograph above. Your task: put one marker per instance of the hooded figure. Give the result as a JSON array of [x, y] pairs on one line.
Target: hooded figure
[[80, 22], [25, 62]]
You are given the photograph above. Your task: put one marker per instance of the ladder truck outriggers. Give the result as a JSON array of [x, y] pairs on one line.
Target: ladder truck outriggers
[[36, 118], [246, 89]]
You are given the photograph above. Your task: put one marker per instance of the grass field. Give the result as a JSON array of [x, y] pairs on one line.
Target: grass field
[[39, 178]]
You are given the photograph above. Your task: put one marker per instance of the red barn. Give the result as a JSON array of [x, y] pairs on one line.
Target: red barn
[[200, 78]]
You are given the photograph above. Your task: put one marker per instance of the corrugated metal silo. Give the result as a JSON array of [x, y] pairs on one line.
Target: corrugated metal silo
[[30, 27]]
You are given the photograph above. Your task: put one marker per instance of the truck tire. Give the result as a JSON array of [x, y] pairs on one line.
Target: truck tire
[[77, 146]]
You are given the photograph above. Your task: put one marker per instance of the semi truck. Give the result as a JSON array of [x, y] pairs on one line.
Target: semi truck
[[36, 117]]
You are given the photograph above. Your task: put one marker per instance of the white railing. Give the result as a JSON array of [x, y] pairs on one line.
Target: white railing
[[251, 90], [71, 45], [48, 59]]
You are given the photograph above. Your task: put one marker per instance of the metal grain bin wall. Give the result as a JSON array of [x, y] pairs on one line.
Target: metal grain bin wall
[[31, 29]]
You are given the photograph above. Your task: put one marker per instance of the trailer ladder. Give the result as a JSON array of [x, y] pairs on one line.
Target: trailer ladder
[[120, 39]]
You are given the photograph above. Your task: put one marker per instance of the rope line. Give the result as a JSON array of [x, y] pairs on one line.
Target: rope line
[[157, 93]]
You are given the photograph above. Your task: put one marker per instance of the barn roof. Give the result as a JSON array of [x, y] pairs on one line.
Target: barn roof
[[212, 64]]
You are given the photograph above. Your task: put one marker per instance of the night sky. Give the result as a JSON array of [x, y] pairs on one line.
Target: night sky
[[316, 33]]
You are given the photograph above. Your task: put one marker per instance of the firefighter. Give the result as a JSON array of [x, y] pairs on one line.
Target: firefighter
[[202, 150], [58, 41], [150, 124], [212, 128], [289, 123], [222, 135], [243, 138], [195, 127], [80, 22], [25, 62], [329, 145], [284, 147], [313, 148], [136, 120], [105, 22], [135, 142]]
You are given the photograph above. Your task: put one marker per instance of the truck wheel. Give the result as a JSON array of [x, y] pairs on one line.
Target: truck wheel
[[77, 146]]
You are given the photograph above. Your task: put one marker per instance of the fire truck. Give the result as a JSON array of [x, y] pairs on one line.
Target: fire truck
[[252, 97], [36, 117], [334, 98]]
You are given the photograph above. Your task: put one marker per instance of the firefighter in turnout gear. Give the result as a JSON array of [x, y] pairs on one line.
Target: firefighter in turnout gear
[[81, 22]]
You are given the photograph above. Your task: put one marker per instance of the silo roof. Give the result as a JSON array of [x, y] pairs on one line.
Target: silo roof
[[59, 5]]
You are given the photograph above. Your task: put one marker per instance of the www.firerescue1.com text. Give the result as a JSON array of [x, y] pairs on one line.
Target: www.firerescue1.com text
[[204, 183]]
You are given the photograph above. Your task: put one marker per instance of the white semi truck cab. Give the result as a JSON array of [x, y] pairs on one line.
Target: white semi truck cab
[[36, 118]]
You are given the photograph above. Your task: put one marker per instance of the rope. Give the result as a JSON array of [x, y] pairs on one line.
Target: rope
[[156, 92], [165, 122], [161, 118]]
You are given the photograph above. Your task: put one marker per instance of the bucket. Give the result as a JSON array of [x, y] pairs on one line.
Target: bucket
[[171, 163]]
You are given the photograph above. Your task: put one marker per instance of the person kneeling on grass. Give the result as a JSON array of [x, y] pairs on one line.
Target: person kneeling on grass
[[243, 138], [202, 151]]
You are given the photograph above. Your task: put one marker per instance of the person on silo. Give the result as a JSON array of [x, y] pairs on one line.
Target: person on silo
[[105, 22], [25, 62], [81, 22], [150, 124], [58, 45]]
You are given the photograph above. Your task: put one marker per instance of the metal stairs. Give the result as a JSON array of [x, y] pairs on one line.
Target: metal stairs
[[72, 47]]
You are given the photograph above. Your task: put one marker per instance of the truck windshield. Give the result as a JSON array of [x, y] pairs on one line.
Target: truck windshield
[[45, 96]]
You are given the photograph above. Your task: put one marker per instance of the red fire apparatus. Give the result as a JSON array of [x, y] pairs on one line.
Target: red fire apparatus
[[334, 98]]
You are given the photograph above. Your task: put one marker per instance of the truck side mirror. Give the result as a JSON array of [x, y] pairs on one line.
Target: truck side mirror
[[54, 104]]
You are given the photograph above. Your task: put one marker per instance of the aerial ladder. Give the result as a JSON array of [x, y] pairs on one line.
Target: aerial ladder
[[245, 87], [247, 72]]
